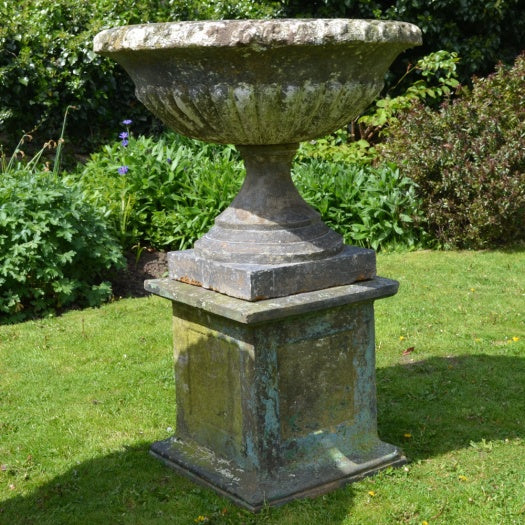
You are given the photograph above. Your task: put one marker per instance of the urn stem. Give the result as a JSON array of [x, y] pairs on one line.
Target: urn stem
[[269, 222]]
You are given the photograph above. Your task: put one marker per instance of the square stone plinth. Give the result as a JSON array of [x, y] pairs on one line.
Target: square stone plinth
[[253, 282], [276, 399]]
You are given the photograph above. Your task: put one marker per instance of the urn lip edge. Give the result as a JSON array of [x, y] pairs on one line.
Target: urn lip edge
[[255, 33]]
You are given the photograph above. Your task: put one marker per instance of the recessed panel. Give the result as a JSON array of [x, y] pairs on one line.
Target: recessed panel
[[316, 384], [208, 389]]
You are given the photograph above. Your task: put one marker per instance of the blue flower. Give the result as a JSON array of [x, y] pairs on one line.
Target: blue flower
[[123, 170], [124, 142], [168, 160], [124, 135], [127, 122]]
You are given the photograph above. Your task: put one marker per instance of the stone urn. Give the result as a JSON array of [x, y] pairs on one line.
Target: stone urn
[[264, 86], [273, 314]]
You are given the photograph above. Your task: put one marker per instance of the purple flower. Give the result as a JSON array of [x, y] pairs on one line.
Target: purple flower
[[127, 122], [124, 142], [123, 170], [124, 135]]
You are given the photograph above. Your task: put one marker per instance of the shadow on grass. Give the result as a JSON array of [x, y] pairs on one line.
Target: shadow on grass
[[443, 403]]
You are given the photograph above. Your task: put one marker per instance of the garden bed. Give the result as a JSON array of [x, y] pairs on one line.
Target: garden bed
[[129, 282]]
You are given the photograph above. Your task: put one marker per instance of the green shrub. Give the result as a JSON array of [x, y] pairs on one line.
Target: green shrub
[[55, 248], [174, 187], [162, 192], [436, 82], [47, 61], [468, 160], [481, 33], [340, 146], [371, 207]]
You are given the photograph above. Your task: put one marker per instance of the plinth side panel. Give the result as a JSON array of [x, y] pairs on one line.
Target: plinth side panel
[[209, 400], [316, 382]]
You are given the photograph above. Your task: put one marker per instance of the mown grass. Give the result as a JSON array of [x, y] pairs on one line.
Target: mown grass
[[83, 395]]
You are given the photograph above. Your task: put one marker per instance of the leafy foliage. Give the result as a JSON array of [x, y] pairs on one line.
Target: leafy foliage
[[481, 33], [439, 78], [373, 207], [47, 61], [469, 161], [55, 248], [174, 188], [341, 146], [171, 192]]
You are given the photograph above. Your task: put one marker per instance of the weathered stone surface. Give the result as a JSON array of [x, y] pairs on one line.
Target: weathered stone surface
[[254, 282], [263, 85], [253, 491], [257, 81], [254, 34], [268, 222], [267, 310], [275, 399], [269, 242]]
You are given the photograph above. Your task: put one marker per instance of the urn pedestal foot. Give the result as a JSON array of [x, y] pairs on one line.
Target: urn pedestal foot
[[253, 282]]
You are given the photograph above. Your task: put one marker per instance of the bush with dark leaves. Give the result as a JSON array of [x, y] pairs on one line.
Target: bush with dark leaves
[[468, 159]]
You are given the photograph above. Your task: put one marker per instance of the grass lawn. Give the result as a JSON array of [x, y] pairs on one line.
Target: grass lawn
[[83, 395]]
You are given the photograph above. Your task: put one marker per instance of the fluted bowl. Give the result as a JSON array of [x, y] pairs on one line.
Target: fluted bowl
[[257, 81]]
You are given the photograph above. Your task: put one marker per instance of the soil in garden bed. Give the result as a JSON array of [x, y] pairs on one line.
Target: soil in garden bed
[[129, 282]]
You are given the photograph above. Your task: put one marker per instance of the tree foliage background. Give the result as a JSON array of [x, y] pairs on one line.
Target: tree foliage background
[[47, 62]]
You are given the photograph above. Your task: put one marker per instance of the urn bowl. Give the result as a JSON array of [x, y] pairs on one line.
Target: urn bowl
[[251, 82]]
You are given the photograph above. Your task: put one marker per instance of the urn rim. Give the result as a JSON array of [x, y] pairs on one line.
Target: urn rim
[[255, 34]]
